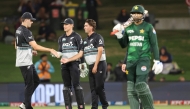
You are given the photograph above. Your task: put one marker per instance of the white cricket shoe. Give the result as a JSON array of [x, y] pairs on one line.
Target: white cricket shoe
[[22, 106]]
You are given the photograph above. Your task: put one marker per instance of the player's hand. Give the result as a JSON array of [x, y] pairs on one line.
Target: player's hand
[[157, 67], [120, 29], [83, 70], [59, 54], [54, 53], [123, 68], [34, 52], [64, 60], [94, 69]]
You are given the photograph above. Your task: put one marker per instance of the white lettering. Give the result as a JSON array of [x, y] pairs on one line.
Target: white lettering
[[89, 47], [48, 93], [67, 44], [136, 44], [133, 38]]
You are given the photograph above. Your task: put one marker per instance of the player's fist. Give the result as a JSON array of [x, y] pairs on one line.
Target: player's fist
[[157, 67]]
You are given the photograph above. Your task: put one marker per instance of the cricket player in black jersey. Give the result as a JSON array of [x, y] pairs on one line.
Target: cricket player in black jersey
[[24, 44], [70, 48], [94, 54]]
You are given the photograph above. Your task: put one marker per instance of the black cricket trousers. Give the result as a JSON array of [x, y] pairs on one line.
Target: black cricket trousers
[[31, 81], [71, 74], [97, 85]]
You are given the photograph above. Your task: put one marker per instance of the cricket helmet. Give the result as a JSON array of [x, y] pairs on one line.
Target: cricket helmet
[[137, 9], [137, 13]]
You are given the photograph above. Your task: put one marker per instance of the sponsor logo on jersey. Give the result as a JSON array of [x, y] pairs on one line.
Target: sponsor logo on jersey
[[139, 44], [130, 31], [67, 44], [143, 68], [89, 47], [133, 38], [100, 71], [153, 30], [100, 41], [18, 31], [64, 39]]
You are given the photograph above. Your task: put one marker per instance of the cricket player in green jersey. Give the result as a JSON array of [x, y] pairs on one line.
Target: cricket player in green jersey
[[141, 40]]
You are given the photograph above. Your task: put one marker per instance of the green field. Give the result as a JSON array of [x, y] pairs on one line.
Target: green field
[[110, 107]]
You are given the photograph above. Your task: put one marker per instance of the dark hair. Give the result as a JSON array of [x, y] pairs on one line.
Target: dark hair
[[92, 23], [43, 55], [109, 64]]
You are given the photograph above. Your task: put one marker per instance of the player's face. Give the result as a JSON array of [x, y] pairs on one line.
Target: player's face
[[29, 23], [67, 27], [137, 16], [87, 28]]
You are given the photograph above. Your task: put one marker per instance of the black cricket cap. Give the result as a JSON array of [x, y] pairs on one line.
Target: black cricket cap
[[28, 15], [68, 21]]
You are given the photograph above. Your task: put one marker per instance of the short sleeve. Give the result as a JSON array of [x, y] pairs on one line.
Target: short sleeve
[[28, 35], [99, 41], [60, 44], [79, 43]]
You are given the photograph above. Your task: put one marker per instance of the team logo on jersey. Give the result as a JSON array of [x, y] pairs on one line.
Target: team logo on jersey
[[143, 68], [153, 30], [100, 41], [71, 38], [142, 31], [64, 39], [130, 31], [85, 42], [91, 40], [30, 37]]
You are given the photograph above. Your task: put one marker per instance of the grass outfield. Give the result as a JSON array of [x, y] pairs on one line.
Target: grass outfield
[[110, 107]]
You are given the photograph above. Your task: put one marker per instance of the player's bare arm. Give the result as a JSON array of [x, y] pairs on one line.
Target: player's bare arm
[[99, 54], [41, 48]]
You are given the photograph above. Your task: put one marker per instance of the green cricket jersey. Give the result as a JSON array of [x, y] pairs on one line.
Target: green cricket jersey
[[141, 40]]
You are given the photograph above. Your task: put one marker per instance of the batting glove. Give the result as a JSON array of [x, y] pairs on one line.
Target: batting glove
[[59, 53], [157, 67], [120, 29], [83, 70]]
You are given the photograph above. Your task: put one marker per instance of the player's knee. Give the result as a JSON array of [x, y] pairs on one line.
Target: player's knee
[[131, 88], [142, 87], [66, 88], [99, 88], [78, 87]]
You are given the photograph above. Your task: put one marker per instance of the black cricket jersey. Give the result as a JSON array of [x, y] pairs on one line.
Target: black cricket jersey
[[90, 47], [23, 48], [70, 45]]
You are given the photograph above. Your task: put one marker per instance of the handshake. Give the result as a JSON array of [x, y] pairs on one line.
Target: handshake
[[59, 54]]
